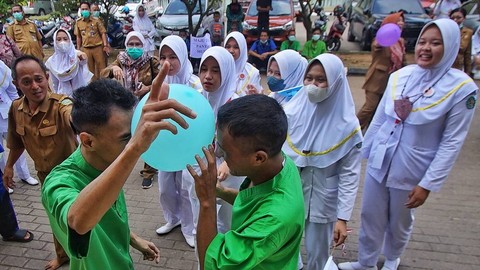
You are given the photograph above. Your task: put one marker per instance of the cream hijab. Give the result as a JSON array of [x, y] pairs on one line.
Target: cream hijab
[[178, 46], [449, 85], [320, 134], [226, 91], [67, 68]]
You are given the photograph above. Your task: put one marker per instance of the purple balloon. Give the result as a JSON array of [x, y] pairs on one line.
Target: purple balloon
[[388, 34]]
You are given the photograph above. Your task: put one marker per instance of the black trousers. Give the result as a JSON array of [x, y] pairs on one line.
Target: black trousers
[[263, 21], [8, 220]]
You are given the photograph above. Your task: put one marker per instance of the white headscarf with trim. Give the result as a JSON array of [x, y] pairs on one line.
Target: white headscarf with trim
[[178, 46], [145, 26], [67, 68], [320, 134], [226, 91], [476, 42], [242, 45], [292, 67], [451, 85]]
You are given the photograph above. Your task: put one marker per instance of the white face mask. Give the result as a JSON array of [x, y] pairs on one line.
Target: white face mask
[[63, 46], [316, 94]]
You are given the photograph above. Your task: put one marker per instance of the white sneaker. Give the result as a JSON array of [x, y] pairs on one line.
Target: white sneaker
[[391, 265], [190, 240], [167, 228], [31, 181], [10, 191], [354, 266]]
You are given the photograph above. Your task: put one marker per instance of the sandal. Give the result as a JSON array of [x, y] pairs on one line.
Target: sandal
[[19, 236]]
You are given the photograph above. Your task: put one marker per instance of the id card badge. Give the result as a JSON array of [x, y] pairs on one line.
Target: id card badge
[[379, 155]]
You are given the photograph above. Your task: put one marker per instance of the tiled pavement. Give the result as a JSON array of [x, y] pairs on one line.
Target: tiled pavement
[[446, 234]]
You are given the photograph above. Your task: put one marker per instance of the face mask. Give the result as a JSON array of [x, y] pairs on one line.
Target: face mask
[[18, 16], [134, 53], [316, 94], [96, 14], [63, 46], [263, 41], [316, 37], [291, 38], [85, 13], [275, 84]]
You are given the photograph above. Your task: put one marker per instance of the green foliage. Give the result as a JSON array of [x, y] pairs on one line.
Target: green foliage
[[193, 29]]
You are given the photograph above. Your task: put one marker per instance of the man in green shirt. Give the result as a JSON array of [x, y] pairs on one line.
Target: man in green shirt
[[268, 211], [83, 196], [291, 43]]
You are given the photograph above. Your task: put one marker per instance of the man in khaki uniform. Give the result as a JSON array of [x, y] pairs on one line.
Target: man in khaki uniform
[[39, 122], [25, 34], [92, 39]]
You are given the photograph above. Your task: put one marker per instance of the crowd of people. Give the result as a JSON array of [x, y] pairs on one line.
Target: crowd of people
[[281, 166]]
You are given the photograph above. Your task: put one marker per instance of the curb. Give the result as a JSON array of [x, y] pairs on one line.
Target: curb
[[357, 71]]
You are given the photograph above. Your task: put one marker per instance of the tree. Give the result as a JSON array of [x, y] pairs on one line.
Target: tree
[[193, 6], [110, 8], [307, 11]]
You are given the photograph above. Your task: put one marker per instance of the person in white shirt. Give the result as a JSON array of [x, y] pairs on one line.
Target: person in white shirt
[[143, 24], [443, 8], [248, 76], [412, 143], [324, 141], [8, 93], [67, 67]]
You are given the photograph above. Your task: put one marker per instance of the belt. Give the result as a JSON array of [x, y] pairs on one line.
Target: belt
[[91, 47]]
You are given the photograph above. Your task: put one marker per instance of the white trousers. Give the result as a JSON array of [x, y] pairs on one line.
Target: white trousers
[[318, 239], [385, 221], [20, 167], [175, 201]]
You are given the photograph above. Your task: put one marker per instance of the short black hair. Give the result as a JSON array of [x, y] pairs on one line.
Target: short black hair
[[92, 104], [316, 28], [85, 3], [263, 31], [24, 58], [462, 10], [17, 5], [216, 13], [257, 117]]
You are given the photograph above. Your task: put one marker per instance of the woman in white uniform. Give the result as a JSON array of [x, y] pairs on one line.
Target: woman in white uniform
[[285, 70], [324, 141], [143, 24], [247, 76], [217, 73], [414, 139], [67, 67], [174, 197]]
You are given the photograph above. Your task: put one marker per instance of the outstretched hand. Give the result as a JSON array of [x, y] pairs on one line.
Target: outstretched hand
[[157, 109], [206, 183]]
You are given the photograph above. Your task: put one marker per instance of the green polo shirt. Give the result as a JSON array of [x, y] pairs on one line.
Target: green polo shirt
[[106, 246], [267, 226]]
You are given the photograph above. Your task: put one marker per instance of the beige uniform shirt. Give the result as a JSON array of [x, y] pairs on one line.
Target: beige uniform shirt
[[26, 36], [91, 31], [46, 133]]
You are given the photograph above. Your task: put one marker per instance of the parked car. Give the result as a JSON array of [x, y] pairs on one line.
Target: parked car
[[175, 17], [40, 7], [367, 18], [282, 20], [472, 14]]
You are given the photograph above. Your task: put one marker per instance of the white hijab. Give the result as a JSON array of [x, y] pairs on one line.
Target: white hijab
[[443, 7], [226, 91], [67, 68], [178, 46], [143, 23], [320, 134], [242, 45], [476, 42], [292, 67], [451, 85]]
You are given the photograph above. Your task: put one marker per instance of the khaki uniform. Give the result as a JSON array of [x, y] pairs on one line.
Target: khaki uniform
[[91, 31], [46, 134], [26, 36], [464, 57], [376, 81]]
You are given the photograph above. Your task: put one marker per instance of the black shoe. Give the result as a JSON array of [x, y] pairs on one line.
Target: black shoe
[[147, 183]]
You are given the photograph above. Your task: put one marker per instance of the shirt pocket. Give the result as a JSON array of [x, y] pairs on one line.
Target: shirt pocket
[[325, 195], [48, 134], [82, 30]]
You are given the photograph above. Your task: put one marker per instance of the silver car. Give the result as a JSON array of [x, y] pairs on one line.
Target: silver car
[[40, 7]]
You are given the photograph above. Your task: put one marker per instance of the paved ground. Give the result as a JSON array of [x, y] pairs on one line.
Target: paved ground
[[445, 236]]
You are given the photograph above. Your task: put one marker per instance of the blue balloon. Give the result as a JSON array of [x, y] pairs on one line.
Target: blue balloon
[[169, 152]]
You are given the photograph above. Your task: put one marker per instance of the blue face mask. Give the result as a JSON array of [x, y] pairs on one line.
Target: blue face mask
[[85, 13], [134, 53], [275, 84], [18, 16]]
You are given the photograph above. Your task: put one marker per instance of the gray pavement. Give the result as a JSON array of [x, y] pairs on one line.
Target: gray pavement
[[446, 234]]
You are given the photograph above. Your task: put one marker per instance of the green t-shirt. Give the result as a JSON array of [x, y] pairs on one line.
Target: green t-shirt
[[312, 50], [107, 245], [286, 44], [267, 226]]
